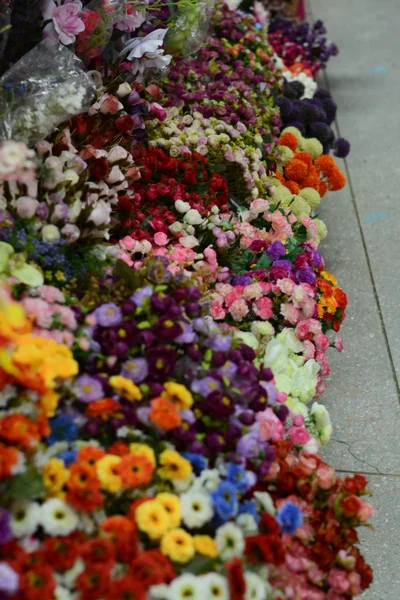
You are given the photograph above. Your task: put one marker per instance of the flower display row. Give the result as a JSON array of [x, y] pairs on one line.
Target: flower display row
[[167, 316]]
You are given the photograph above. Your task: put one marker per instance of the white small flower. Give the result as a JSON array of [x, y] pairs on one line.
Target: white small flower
[[230, 541], [208, 480], [57, 518], [73, 573], [181, 206], [25, 518], [215, 586], [158, 592], [123, 90], [193, 217], [189, 241], [62, 593], [175, 227], [256, 588], [186, 587], [196, 508], [247, 523]]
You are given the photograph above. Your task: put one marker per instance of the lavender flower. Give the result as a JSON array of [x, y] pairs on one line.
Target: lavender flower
[[88, 389], [135, 369], [205, 386], [108, 315], [5, 527], [141, 295]]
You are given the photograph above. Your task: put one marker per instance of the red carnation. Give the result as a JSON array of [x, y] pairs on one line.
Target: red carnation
[[94, 582], [100, 550], [60, 552], [37, 583], [237, 584], [100, 169], [356, 484]]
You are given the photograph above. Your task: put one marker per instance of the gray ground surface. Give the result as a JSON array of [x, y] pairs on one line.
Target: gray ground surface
[[363, 251]]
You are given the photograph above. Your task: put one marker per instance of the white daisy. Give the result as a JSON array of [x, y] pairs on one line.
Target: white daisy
[[186, 587], [256, 588], [158, 592], [25, 518], [57, 518], [196, 509], [230, 541], [247, 523], [216, 586], [208, 480], [73, 573]]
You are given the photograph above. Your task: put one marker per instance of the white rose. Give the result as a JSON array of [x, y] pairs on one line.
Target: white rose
[[181, 206], [50, 233], [305, 381], [71, 175], [262, 328], [189, 241], [321, 414], [175, 227], [288, 337], [117, 153], [284, 383], [100, 215], [247, 338], [276, 355], [193, 217], [123, 90]]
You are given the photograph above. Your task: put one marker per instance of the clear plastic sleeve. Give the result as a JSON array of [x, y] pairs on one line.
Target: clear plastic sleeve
[[44, 88], [190, 27], [99, 17]]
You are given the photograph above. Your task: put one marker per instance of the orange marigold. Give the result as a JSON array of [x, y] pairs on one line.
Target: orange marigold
[[289, 140], [304, 157], [164, 414], [292, 186], [135, 470], [296, 170], [19, 430], [337, 180], [326, 164]]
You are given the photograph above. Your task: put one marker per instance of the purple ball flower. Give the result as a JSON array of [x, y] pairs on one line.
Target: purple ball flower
[[108, 315], [88, 389], [342, 148]]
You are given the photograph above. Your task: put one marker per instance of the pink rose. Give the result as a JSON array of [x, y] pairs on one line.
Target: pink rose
[[160, 251], [65, 24], [366, 511], [308, 350], [127, 242], [217, 311], [158, 111], [298, 435], [271, 427], [321, 341], [179, 255], [263, 308], [291, 313], [325, 476], [110, 104], [337, 579], [160, 238]]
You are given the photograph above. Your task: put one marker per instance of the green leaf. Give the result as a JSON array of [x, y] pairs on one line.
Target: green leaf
[[264, 262], [131, 277], [28, 485]]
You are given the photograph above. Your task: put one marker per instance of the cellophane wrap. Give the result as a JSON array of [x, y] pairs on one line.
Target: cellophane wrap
[[99, 17], [190, 27], [47, 86]]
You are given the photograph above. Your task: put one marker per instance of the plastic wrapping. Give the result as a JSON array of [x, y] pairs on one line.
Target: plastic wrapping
[[44, 88], [99, 17], [190, 27]]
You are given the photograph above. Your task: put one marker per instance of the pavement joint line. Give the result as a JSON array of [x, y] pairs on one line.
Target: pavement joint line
[[364, 244], [368, 473]]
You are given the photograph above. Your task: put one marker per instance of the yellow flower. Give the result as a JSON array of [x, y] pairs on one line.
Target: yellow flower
[[144, 450], [329, 277], [153, 519], [179, 395], [49, 402], [125, 387], [174, 466], [106, 472], [178, 545], [172, 505], [55, 475], [205, 545]]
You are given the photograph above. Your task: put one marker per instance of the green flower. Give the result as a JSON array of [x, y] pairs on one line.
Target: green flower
[[13, 264]]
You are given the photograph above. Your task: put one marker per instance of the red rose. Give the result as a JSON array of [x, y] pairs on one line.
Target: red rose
[[351, 506], [237, 584], [100, 169], [268, 524], [356, 484], [190, 176], [267, 548], [124, 124], [96, 140], [79, 125]]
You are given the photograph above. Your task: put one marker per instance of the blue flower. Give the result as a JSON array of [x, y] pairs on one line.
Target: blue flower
[[197, 461], [68, 456], [289, 517], [225, 501], [237, 475], [249, 507], [63, 429]]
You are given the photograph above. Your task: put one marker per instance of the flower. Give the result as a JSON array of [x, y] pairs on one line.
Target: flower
[[135, 369], [88, 389], [225, 501], [126, 388], [289, 517], [205, 545], [178, 545], [186, 586], [215, 586], [106, 469], [9, 579], [25, 518], [230, 541], [256, 587], [197, 509], [172, 505], [134, 470], [57, 518], [145, 52], [164, 414], [55, 475], [153, 519], [174, 466], [65, 24], [108, 315], [179, 394], [5, 526]]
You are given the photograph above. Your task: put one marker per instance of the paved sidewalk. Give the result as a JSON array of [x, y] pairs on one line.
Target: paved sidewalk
[[363, 251]]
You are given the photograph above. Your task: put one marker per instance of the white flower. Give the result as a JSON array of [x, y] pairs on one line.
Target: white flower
[[25, 518], [230, 541], [193, 217], [256, 588], [123, 90], [62, 593], [158, 592], [196, 508], [50, 233], [208, 480], [276, 356], [100, 214], [247, 523], [304, 381], [321, 415], [266, 502], [9, 579], [247, 338], [175, 227], [146, 52], [181, 206], [189, 241], [117, 153], [73, 573], [215, 586], [57, 518], [186, 587]]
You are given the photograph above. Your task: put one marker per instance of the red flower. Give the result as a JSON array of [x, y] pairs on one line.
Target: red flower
[[60, 552], [351, 506], [124, 124], [96, 140], [237, 584], [94, 582], [190, 176], [37, 583], [151, 568], [100, 550], [100, 169], [126, 588], [268, 524], [356, 484], [265, 548], [122, 532], [79, 125]]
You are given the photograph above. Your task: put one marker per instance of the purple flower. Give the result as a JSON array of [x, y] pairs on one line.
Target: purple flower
[[9, 579], [272, 394], [108, 315], [249, 445], [5, 527], [188, 336], [219, 342], [276, 250], [242, 280], [283, 264], [141, 295], [135, 369], [205, 386], [306, 275], [162, 362], [88, 389], [228, 370]]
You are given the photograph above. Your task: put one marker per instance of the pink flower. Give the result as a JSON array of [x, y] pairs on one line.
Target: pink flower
[[337, 579], [366, 511], [239, 310], [217, 311], [291, 313], [308, 463], [298, 435], [263, 308], [271, 427], [51, 294], [158, 111], [65, 24], [127, 242], [161, 239], [338, 343], [110, 104], [254, 290], [325, 476], [308, 349], [322, 342]]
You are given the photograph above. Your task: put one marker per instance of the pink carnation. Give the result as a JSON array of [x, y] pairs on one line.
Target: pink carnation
[[325, 477], [337, 579], [298, 435], [263, 308], [239, 310], [161, 239], [271, 427]]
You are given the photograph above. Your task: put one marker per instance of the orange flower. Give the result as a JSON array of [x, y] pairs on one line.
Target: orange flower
[[87, 499], [289, 140], [304, 157], [134, 470], [326, 164], [325, 287], [118, 448], [103, 408], [323, 188], [164, 414], [296, 170], [82, 476], [19, 430], [337, 180], [8, 458], [122, 533], [90, 455], [292, 186]]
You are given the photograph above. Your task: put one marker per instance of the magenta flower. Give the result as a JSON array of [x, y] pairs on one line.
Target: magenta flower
[[65, 22]]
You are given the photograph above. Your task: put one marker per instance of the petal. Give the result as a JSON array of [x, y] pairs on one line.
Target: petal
[[28, 275], [49, 10]]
